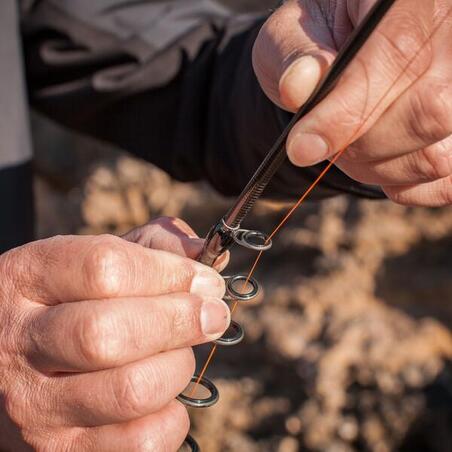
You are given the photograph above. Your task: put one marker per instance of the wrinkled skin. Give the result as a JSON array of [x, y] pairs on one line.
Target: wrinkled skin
[[96, 331], [406, 145], [95, 339]]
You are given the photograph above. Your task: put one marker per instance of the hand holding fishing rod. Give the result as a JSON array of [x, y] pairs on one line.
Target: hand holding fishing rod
[[224, 233], [406, 146]]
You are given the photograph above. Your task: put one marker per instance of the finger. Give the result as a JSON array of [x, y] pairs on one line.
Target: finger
[[372, 82], [159, 432], [422, 118], [433, 194], [94, 335], [65, 269], [419, 117], [121, 394], [293, 50], [167, 234], [426, 165], [172, 235]]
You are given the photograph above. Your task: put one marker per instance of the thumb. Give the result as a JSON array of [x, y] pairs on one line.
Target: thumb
[[392, 60], [291, 53]]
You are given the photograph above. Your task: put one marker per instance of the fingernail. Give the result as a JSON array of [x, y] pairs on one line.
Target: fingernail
[[207, 284], [306, 149], [299, 81], [215, 317]]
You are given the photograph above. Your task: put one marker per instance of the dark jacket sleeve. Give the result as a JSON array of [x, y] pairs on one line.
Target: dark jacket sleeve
[[16, 195], [170, 81]]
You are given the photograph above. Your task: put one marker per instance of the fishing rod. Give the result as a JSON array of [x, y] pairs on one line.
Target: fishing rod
[[227, 231]]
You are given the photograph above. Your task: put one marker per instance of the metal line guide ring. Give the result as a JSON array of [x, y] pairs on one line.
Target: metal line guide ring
[[200, 403], [235, 294], [253, 240], [191, 443], [233, 335]]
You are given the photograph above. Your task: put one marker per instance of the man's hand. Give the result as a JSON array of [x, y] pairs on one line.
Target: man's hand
[[406, 146], [95, 339]]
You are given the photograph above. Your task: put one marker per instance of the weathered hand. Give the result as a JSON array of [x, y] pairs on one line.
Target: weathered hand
[[406, 146], [95, 339]]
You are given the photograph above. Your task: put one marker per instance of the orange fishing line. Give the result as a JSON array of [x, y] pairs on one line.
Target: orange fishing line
[[234, 307], [321, 176], [204, 370]]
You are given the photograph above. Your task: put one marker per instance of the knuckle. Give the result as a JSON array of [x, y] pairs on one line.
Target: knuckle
[[400, 39], [174, 273], [11, 263], [103, 266], [439, 195], [353, 153], [131, 390], [160, 439], [183, 419], [18, 270], [13, 405], [396, 194], [399, 198], [20, 404], [188, 366], [148, 443], [154, 442], [23, 267], [445, 192], [93, 335], [431, 117], [431, 164], [78, 440]]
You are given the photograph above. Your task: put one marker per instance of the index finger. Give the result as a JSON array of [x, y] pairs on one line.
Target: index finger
[[173, 235], [65, 269]]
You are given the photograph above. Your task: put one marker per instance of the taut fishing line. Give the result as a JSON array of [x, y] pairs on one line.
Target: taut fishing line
[[244, 288]]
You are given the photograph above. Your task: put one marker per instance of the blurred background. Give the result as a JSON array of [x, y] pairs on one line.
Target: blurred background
[[349, 347]]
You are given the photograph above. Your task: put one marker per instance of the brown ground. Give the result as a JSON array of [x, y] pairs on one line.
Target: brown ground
[[350, 346]]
